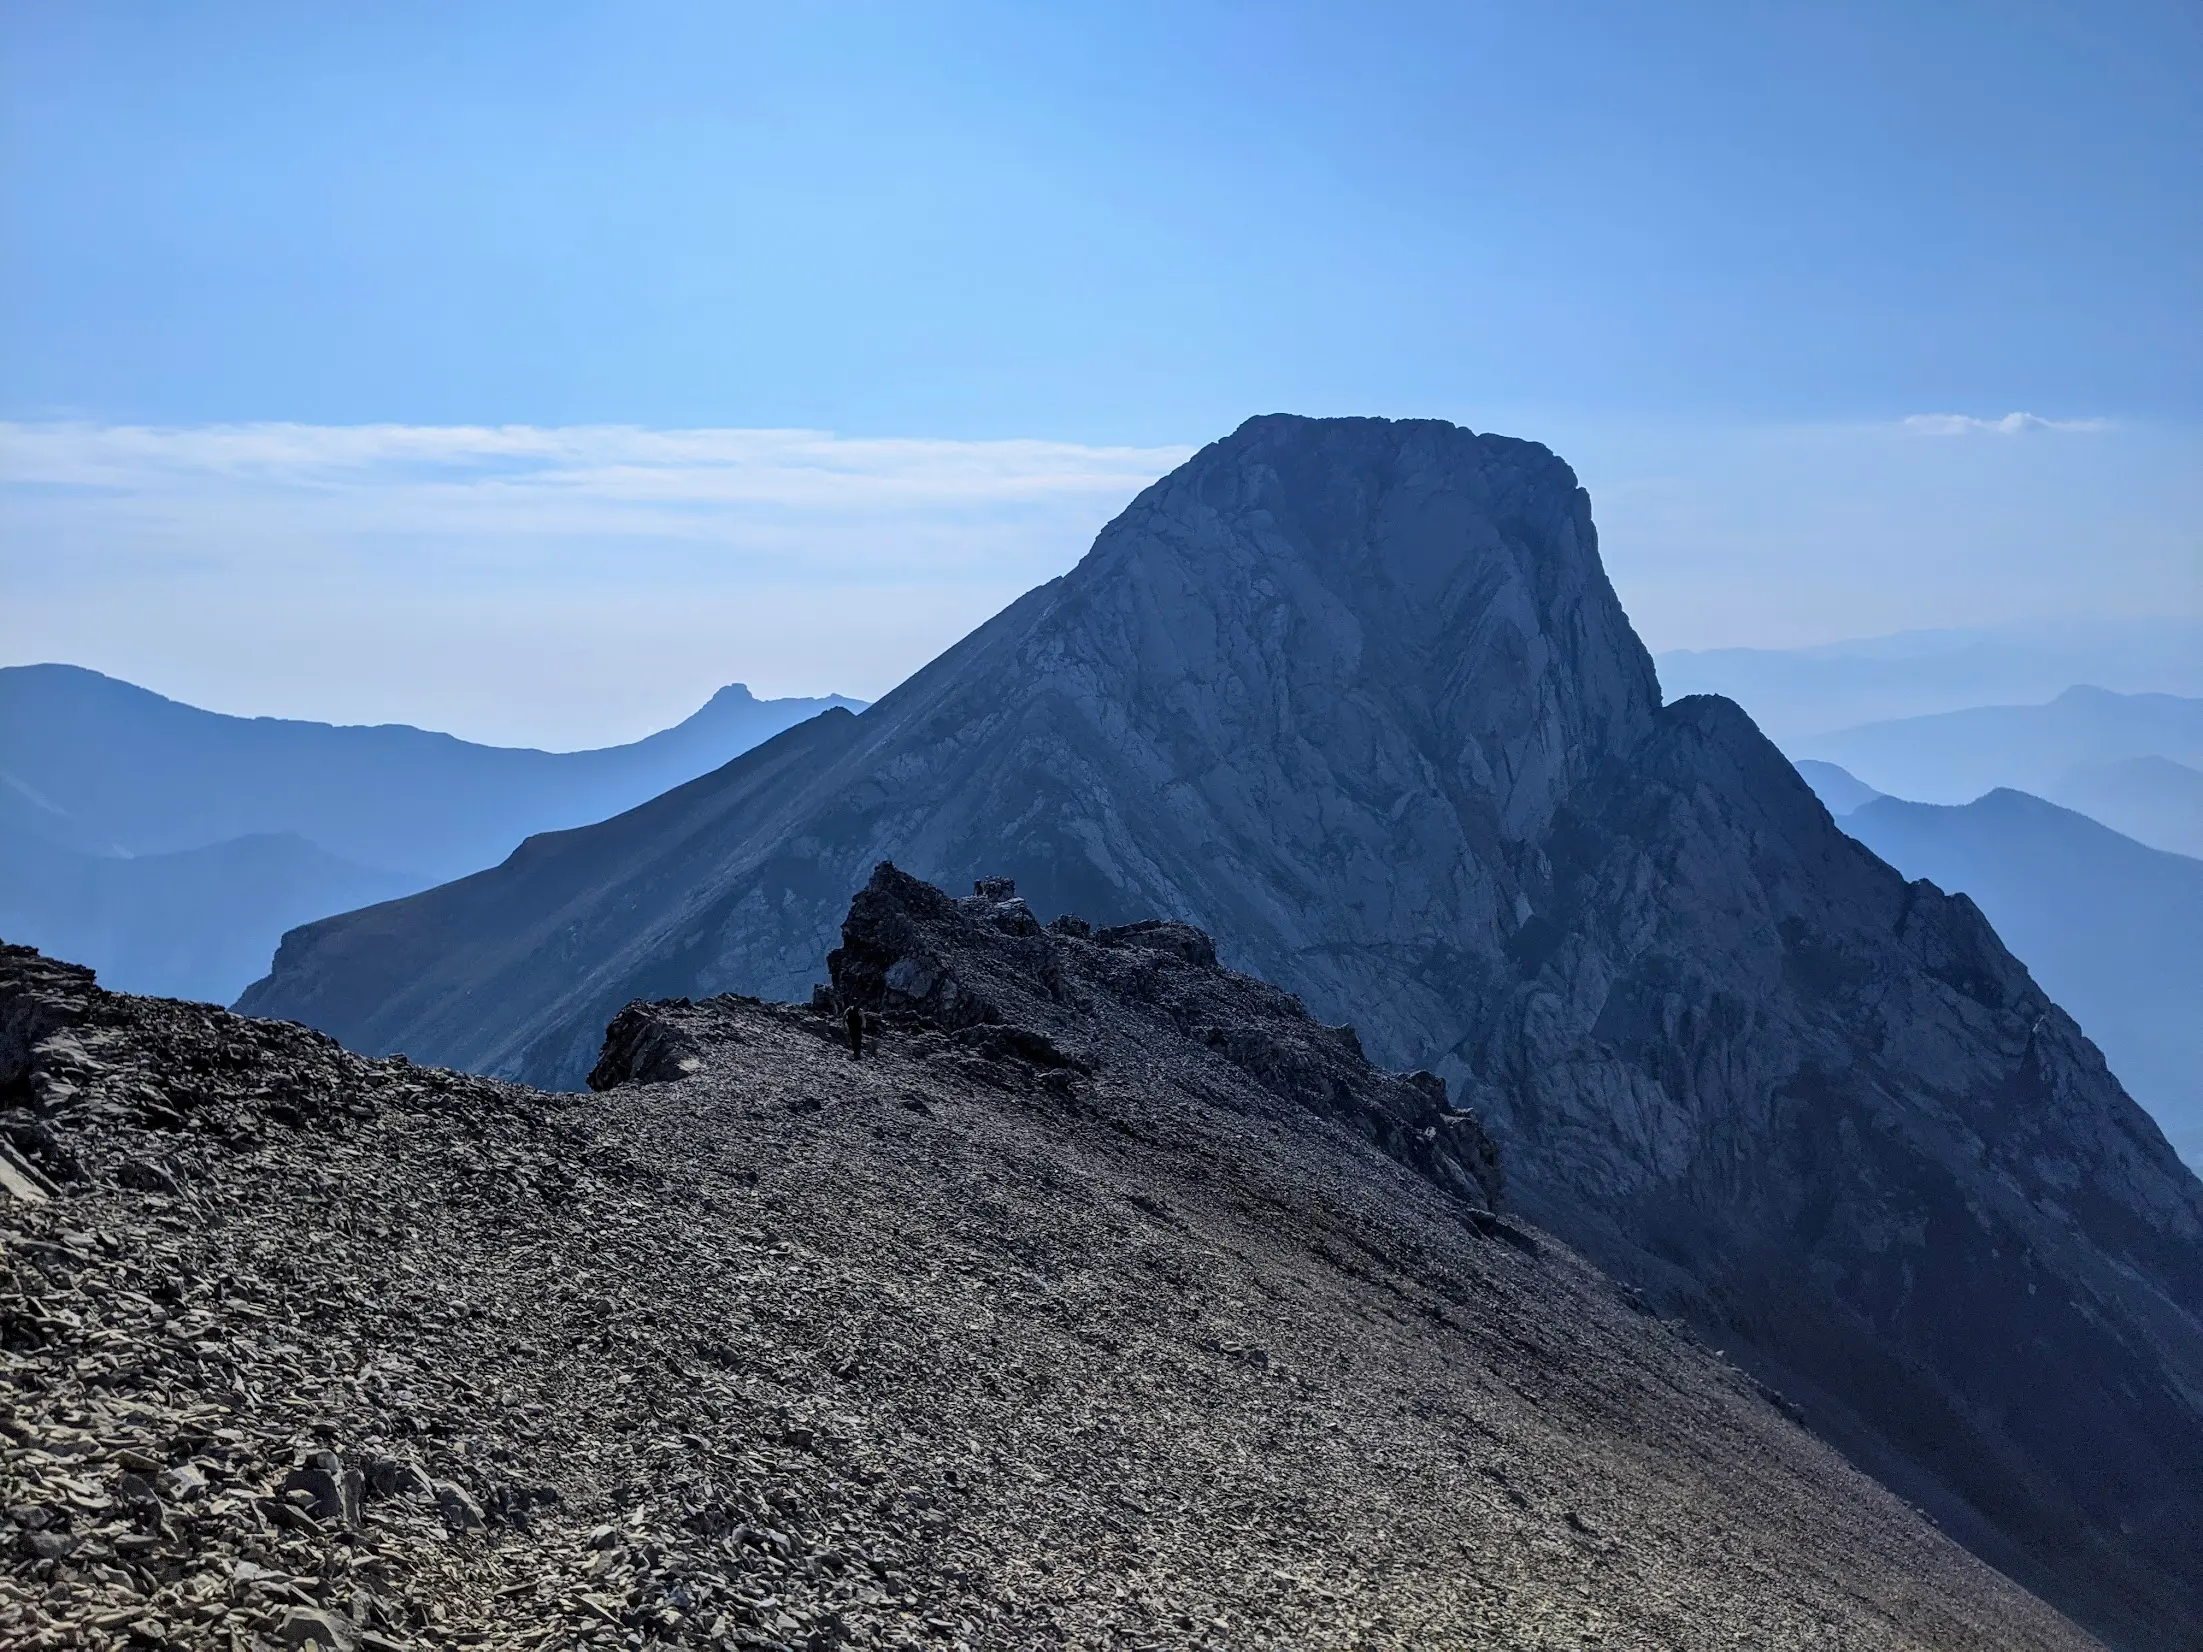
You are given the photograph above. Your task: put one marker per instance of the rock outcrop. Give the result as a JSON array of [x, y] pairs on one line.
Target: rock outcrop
[[1050, 1321], [1062, 998], [1356, 698]]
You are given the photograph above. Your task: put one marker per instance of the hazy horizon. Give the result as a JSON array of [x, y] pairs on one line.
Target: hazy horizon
[[530, 372], [579, 587]]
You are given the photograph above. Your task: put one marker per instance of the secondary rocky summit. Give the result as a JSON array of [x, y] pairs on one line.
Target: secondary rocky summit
[[1356, 698], [999, 984], [1108, 1300]]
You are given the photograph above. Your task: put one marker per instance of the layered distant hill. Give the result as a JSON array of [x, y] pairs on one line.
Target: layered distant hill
[[1796, 693], [1837, 787], [2113, 929], [171, 847], [2132, 761], [1357, 698], [109, 765], [2151, 799]]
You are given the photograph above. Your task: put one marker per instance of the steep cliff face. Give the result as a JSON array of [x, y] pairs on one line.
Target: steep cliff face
[[1356, 698], [1318, 692], [1825, 1113]]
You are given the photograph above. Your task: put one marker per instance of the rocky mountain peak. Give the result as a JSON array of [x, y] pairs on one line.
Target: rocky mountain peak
[[1354, 698], [1370, 595]]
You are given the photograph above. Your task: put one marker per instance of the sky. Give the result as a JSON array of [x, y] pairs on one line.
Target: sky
[[530, 370]]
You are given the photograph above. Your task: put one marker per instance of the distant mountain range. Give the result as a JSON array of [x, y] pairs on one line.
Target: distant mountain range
[[171, 847], [2113, 929], [2131, 761], [1795, 693], [2153, 800], [108, 766], [1837, 787], [192, 923], [1357, 698]]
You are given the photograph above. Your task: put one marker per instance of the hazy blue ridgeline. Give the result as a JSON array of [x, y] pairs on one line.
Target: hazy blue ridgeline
[[2112, 928], [170, 847], [2132, 761], [1796, 693]]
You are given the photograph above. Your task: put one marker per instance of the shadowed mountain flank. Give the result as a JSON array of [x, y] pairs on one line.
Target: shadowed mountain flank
[[103, 767], [197, 923], [1356, 698], [1107, 1299], [2112, 927]]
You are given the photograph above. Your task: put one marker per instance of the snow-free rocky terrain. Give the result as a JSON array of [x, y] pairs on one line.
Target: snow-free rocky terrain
[[1107, 1301], [1356, 697]]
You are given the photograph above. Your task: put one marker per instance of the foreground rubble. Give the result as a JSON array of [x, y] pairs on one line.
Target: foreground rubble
[[1107, 1301]]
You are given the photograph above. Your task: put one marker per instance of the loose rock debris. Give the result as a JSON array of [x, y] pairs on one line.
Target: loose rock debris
[[1107, 1302]]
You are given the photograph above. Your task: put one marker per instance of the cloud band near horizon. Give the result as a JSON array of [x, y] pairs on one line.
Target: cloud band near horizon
[[574, 585]]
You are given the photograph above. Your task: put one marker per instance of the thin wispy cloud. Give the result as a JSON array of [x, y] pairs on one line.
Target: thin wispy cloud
[[577, 585], [564, 585], [533, 480], [598, 506], [2011, 424]]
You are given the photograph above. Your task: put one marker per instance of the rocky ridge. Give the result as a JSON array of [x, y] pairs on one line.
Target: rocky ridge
[[1003, 984], [1108, 1300], [1356, 697]]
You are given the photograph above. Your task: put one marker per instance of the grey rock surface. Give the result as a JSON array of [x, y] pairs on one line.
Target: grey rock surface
[[1148, 1341], [1356, 698], [2111, 928], [1067, 998], [1315, 692]]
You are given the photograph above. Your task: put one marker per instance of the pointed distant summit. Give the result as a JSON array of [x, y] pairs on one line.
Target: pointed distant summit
[[1319, 691], [1355, 697]]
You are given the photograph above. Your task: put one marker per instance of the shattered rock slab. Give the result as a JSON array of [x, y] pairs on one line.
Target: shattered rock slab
[[955, 1345], [1147, 997]]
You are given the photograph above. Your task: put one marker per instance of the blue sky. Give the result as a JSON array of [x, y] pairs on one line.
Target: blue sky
[[1717, 254]]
